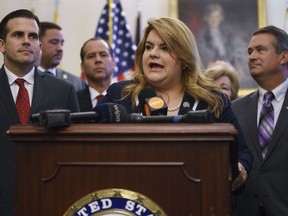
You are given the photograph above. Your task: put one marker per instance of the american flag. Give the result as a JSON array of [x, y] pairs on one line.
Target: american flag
[[122, 45]]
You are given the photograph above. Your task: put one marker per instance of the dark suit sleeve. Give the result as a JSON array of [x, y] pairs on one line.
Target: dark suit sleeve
[[53, 93], [73, 101], [114, 96], [244, 154], [113, 93]]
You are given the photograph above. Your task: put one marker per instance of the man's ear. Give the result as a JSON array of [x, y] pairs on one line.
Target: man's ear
[[284, 58], [114, 63], [82, 67], [2, 45]]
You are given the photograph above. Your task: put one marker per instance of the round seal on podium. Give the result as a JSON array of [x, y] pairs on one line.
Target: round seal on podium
[[115, 202]]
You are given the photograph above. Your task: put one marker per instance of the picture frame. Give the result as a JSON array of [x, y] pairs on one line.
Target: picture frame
[[237, 21]]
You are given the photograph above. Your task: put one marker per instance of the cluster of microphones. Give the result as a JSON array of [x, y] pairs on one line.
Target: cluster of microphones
[[152, 109]]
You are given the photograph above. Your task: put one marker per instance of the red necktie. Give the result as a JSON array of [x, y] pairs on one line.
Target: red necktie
[[22, 102], [99, 98]]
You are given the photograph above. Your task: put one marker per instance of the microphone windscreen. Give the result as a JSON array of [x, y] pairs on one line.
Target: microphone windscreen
[[155, 106], [145, 93], [54, 118], [111, 113], [150, 103]]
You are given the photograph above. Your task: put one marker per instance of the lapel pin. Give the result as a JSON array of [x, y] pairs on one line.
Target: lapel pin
[[186, 104]]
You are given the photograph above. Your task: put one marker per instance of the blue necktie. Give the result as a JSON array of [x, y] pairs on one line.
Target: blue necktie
[[266, 122]]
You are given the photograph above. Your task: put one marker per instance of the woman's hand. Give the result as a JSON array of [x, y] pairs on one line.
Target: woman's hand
[[241, 177]]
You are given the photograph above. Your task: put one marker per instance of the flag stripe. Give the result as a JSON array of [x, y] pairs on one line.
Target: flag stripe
[[122, 44]]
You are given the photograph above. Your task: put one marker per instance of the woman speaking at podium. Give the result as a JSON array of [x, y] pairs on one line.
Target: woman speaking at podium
[[167, 61]]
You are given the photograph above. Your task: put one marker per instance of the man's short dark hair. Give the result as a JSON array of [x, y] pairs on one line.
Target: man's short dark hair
[[280, 35], [94, 39], [44, 26], [22, 13]]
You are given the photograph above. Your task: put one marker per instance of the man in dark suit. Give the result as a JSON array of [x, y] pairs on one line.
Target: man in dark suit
[[20, 45], [266, 191], [52, 52], [98, 65]]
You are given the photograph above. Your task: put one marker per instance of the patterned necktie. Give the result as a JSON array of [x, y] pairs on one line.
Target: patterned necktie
[[99, 98], [22, 102], [266, 123]]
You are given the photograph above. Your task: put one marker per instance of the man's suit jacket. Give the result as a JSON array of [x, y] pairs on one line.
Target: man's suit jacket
[[268, 180], [84, 100], [49, 93], [77, 82], [244, 155]]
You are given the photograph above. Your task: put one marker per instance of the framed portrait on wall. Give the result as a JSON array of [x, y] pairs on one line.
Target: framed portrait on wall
[[223, 29]]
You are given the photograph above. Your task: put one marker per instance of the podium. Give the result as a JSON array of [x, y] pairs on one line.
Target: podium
[[184, 168]]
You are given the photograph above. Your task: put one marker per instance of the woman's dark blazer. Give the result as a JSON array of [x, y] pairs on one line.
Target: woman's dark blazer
[[227, 116]]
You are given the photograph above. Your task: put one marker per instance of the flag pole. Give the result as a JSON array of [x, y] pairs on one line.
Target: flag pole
[[32, 3], [286, 17], [110, 22], [55, 15], [123, 46], [138, 23]]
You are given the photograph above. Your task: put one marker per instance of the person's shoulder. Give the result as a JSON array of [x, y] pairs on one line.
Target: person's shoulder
[[123, 83], [83, 91], [67, 75], [240, 105], [75, 80], [115, 89], [223, 97], [120, 84], [245, 99], [52, 80]]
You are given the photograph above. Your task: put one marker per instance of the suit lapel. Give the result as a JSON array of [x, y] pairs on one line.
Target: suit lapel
[[280, 126], [84, 99], [188, 103], [60, 74], [7, 98], [39, 90], [251, 122]]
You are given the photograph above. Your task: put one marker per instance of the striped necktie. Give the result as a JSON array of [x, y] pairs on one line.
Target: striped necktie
[[266, 122]]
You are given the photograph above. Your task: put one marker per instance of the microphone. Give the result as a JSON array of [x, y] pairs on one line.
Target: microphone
[[52, 118], [150, 104], [111, 113], [104, 113], [198, 116]]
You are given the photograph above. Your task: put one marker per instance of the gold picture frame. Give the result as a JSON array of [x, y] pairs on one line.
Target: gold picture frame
[[260, 20]]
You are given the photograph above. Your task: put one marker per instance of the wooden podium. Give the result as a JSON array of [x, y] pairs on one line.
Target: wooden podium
[[184, 168]]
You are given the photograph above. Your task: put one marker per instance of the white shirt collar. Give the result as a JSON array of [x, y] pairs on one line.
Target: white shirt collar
[[29, 77], [94, 93], [279, 92]]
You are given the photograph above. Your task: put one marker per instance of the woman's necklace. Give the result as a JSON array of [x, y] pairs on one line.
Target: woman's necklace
[[176, 107]]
